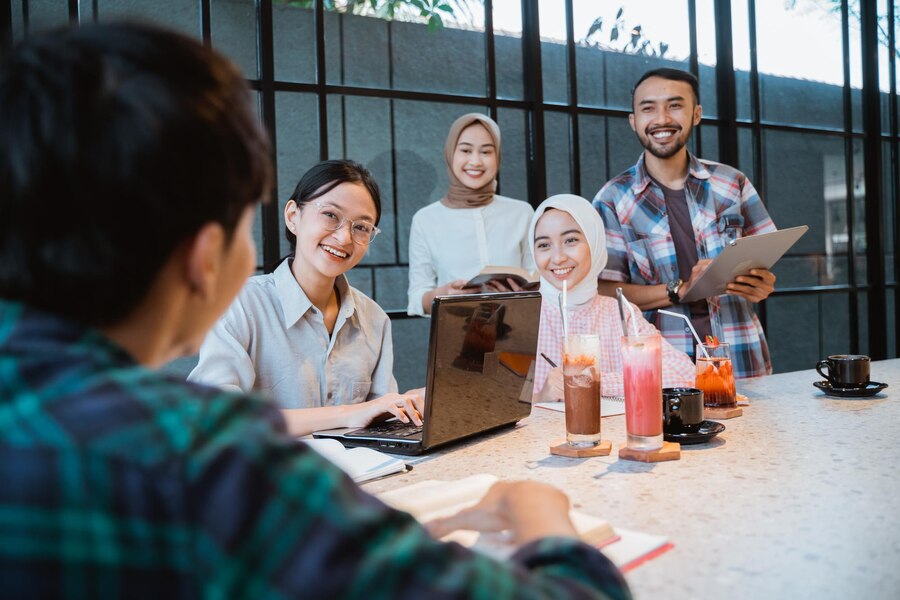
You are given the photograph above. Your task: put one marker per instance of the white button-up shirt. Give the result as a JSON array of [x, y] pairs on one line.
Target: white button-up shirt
[[457, 243], [273, 340]]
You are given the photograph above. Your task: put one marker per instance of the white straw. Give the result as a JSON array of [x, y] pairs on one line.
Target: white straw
[[564, 310], [633, 317], [694, 331]]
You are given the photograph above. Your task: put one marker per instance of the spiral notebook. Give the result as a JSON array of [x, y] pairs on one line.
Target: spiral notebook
[[610, 406]]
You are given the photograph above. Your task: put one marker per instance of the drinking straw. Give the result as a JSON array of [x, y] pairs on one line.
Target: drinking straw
[[694, 331], [633, 319], [619, 297], [564, 309], [550, 362]]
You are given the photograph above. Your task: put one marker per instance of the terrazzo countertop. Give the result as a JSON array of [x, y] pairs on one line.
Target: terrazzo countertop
[[798, 498]]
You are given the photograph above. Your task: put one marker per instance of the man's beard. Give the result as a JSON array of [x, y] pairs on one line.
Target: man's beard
[[667, 151]]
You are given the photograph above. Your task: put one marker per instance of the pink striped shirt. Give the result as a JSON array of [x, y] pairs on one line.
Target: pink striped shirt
[[602, 316]]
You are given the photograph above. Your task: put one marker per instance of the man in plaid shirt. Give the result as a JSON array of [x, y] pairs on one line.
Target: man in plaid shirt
[[131, 168], [670, 214]]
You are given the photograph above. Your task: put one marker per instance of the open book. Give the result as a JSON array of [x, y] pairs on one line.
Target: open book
[[524, 279], [432, 499], [361, 464]]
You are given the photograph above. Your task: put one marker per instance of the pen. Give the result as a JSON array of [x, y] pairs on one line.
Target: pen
[[552, 364]]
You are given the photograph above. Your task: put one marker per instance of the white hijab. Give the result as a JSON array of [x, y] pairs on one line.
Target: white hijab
[[588, 219]]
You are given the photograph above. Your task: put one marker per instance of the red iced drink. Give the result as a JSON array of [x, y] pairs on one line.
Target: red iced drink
[[642, 358], [715, 375]]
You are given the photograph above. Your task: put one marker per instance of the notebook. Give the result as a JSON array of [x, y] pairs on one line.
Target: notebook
[[480, 374]]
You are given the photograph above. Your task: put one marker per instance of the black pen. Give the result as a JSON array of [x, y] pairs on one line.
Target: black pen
[[552, 364]]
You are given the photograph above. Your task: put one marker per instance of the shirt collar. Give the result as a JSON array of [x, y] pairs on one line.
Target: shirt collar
[[294, 301], [642, 179]]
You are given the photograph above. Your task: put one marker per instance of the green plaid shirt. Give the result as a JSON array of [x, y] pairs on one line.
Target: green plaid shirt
[[119, 482]]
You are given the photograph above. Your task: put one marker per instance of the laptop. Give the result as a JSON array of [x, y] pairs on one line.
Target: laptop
[[480, 378]]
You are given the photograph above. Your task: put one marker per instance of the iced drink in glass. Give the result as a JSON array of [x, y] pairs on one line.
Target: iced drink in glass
[[715, 376], [581, 386], [642, 359]]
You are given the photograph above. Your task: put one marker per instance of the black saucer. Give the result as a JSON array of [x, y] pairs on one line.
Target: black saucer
[[708, 430], [872, 388]]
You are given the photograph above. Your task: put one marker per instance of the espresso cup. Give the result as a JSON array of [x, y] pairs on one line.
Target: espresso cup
[[682, 410], [845, 370]]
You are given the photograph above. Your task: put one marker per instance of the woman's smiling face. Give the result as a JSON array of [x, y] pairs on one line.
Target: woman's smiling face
[[475, 157], [561, 251]]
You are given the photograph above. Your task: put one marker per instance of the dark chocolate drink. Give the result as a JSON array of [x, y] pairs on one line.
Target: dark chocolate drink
[[582, 393]]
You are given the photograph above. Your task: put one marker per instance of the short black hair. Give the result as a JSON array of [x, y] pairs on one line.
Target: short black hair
[[120, 141], [326, 176], [671, 75]]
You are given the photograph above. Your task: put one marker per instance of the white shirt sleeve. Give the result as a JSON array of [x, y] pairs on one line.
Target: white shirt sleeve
[[422, 272], [224, 361]]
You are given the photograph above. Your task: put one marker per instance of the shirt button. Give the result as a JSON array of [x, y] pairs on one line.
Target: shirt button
[[330, 395]]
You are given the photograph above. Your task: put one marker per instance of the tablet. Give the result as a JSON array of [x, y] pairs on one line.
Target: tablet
[[738, 257]]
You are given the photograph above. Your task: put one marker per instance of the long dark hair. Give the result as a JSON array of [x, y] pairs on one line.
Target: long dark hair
[[326, 176]]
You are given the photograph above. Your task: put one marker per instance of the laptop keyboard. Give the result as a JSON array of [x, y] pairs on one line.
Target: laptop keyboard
[[388, 429]]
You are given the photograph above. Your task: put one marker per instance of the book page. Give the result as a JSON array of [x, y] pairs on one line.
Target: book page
[[361, 464]]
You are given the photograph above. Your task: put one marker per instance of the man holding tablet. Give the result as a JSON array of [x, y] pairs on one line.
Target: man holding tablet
[[671, 213]]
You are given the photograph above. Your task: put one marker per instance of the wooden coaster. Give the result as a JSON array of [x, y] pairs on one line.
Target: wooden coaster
[[562, 448], [669, 451], [742, 400], [718, 414]]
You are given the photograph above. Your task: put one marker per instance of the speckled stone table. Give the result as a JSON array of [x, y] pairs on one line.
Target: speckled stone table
[[798, 498]]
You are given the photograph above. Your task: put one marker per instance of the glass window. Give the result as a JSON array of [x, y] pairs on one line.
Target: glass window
[[554, 60], [890, 210], [294, 40], [855, 37], [800, 62], [557, 156], [359, 128], [297, 132], [179, 14], [593, 150], [884, 73], [806, 185], [514, 169], [508, 48], [708, 138], [233, 31], [746, 159], [616, 42], [802, 329], [706, 57], [740, 52], [624, 147]]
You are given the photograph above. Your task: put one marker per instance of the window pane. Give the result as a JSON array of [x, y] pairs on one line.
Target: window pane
[[617, 42], [890, 210], [421, 171], [884, 73], [746, 161], [357, 50], [740, 48], [709, 138], [508, 48], [407, 52], [800, 56], [294, 40], [806, 185], [514, 170], [360, 129], [180, 14], [856, 70], [624, 148], [233, 30], [706, 57], [802, 329], [297, 132], [554, 61], [557, 154]]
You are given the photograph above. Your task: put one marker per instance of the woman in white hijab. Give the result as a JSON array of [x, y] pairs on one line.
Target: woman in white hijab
[[570, 245]]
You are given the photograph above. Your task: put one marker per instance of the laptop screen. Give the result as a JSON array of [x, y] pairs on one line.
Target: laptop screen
[[481, 368]]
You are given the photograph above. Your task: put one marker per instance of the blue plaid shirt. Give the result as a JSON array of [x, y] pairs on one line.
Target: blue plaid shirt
[[119, 482], [723, 206]]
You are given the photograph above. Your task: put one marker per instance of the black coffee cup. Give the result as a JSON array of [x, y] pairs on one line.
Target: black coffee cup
[[845, 370], [682, 410]]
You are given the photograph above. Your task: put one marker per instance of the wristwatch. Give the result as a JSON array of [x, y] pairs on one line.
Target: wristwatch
[[672, 290]]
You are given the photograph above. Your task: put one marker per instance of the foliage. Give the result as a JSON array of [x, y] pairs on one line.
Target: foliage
[[432, 12], [622, 38], [853, 10]]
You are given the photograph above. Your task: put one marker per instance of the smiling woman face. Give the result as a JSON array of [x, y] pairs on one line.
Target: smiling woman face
[[475, 157], [561, 251], [330, 253]]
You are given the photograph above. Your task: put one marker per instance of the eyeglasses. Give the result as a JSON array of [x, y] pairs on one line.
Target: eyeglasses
[[361, 232]]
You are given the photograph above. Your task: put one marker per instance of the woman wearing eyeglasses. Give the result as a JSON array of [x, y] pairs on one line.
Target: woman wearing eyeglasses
[[301, 334]]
